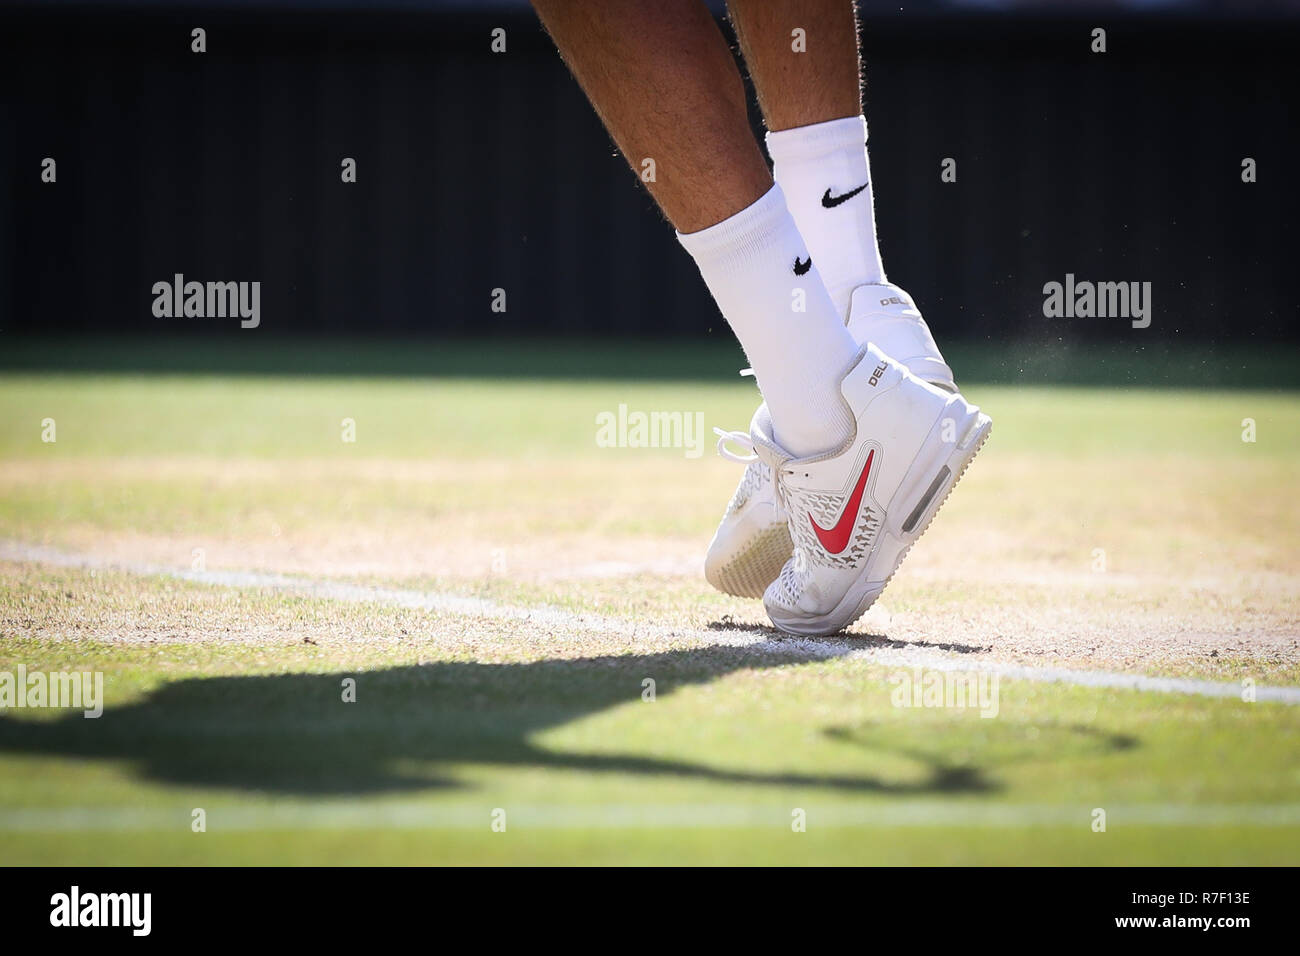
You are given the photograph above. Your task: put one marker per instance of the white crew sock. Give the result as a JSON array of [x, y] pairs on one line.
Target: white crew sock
[[816, 165], [799, 357]]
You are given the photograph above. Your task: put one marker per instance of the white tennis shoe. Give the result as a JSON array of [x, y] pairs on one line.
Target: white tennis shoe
[[752, 542], [854, 512], [884, 315], [753, 539]]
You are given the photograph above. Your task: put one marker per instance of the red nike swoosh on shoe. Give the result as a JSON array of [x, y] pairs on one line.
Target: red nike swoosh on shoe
[[836, 539]]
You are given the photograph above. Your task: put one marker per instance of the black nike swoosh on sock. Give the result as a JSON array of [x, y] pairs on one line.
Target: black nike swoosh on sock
[[830, 202]]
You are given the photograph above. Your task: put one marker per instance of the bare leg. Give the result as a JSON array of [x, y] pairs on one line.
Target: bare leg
[[811, 101], [804, 60], [663, 81], [823, 82]]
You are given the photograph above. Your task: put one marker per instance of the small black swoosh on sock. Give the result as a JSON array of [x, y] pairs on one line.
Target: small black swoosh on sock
[[830, 202]]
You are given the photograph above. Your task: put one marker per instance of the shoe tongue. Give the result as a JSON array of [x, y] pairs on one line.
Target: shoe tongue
[[771, 455]]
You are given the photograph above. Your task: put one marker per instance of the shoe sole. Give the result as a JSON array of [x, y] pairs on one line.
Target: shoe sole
[[755, 566], [864, 593]]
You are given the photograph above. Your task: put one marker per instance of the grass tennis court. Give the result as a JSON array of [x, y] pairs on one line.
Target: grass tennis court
[[501, 588]]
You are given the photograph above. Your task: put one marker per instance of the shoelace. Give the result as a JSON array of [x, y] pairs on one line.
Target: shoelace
[[739, 438], [743, 439]]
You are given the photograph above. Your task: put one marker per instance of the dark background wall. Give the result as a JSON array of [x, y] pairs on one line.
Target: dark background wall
[[480, 171]]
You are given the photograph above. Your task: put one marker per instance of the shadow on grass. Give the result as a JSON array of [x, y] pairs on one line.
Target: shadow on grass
[[963, 751], [293, 733], [860, 640]]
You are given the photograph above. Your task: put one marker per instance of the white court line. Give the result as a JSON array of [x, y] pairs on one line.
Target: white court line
[[410, 815], [806, 649]]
